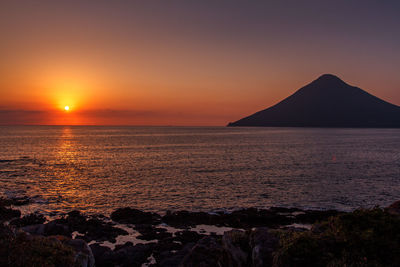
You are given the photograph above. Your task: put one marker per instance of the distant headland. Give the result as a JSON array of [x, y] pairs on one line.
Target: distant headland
[[327, 102]]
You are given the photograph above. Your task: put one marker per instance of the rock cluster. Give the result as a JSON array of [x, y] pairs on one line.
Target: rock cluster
[[258, 237]]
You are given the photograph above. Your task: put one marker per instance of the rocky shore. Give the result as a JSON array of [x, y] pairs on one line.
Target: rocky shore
[[247, 237]]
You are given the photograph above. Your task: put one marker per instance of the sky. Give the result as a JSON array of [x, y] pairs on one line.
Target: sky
[[185, 62]]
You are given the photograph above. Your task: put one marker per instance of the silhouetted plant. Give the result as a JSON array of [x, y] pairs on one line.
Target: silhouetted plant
[[361, 238]]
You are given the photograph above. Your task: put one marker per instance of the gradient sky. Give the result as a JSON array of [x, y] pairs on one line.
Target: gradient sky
[[185, 62]]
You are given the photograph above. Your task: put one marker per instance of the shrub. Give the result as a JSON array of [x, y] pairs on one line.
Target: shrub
[[361, 238], [19, 249]]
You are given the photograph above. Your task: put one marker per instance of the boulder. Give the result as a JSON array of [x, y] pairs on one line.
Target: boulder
[[91, 228], [125, 255], [148, 232], [54, 228], [188, 237], [134, 216], [263, 243], [207, 252], [236, 244], [133, 256], [83, 254], [313, 216], [394, 208], [7, 213], [168, 258], [48, 229], [185, 219], [95, 229], [36, 229], [103, 256], [75, 219], [30, 219], [252, 217], [16, 201]]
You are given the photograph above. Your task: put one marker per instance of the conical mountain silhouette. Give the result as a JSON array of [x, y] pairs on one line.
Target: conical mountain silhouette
[[327, 102]]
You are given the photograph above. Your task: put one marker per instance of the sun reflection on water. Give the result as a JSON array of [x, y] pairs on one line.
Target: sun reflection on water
[[67, 152], [68, 185]]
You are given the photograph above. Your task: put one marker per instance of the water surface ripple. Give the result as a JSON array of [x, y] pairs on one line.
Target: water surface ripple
[[98, 169]]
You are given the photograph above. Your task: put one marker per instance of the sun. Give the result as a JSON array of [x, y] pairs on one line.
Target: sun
[[66, 108]]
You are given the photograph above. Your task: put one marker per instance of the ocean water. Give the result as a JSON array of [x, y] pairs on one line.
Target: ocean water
[[99, 169]]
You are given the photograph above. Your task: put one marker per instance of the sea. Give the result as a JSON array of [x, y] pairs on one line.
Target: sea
[[97, 169]]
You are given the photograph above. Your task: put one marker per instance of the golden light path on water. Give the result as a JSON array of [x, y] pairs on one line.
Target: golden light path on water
[[67, 181]]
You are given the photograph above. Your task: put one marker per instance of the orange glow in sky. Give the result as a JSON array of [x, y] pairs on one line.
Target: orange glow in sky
[[187, 63]]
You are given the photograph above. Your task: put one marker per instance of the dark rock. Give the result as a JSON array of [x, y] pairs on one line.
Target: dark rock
[[184, 219], [20, 201], [134, 216], [394, 208], [127, 244], [168, 258], [54, 228], [133, 255], [125, 255], [155, 236], [33, 218], [168, 244], [92, 228], [16, 201], [6, 232], [49, 229], [283, 210], [245, 218], [36, 229], [236, 244], [252, 217], [75, 213], [148, 232], [144, 228], [207, 252], [7, 213], [95, 229], [187, 237], [103, 256], [76, 220], [83, 253], [263, 243], [313, 216]]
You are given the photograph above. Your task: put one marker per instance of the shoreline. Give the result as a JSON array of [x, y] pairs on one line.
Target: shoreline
[[131, 237]]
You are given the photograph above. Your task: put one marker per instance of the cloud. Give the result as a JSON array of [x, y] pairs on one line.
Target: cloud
[[109, 117], [14, 117]]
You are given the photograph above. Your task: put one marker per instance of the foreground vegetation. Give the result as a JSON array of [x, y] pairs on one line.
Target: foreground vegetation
[[361, 238], [20, 249]]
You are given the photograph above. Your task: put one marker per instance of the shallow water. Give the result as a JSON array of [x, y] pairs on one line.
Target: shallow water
[[98, 169]]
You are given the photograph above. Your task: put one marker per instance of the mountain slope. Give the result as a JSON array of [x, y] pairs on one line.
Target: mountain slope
[[327, 102]]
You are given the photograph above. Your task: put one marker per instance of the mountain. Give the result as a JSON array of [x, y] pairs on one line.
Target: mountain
[[327, 102]]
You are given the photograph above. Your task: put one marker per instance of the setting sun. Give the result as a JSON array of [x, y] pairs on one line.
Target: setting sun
[[66, 108]]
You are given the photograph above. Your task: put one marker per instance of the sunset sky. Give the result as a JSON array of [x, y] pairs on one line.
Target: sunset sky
[[185, 62]]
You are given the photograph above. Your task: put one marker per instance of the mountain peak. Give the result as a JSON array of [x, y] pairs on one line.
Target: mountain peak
[[328, 76], [329, 79], [327, 102]]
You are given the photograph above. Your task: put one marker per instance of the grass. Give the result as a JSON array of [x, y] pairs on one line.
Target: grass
[[19, 249], [360, 238]]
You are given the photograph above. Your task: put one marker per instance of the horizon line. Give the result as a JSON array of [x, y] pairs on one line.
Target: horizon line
[[113, 125]]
